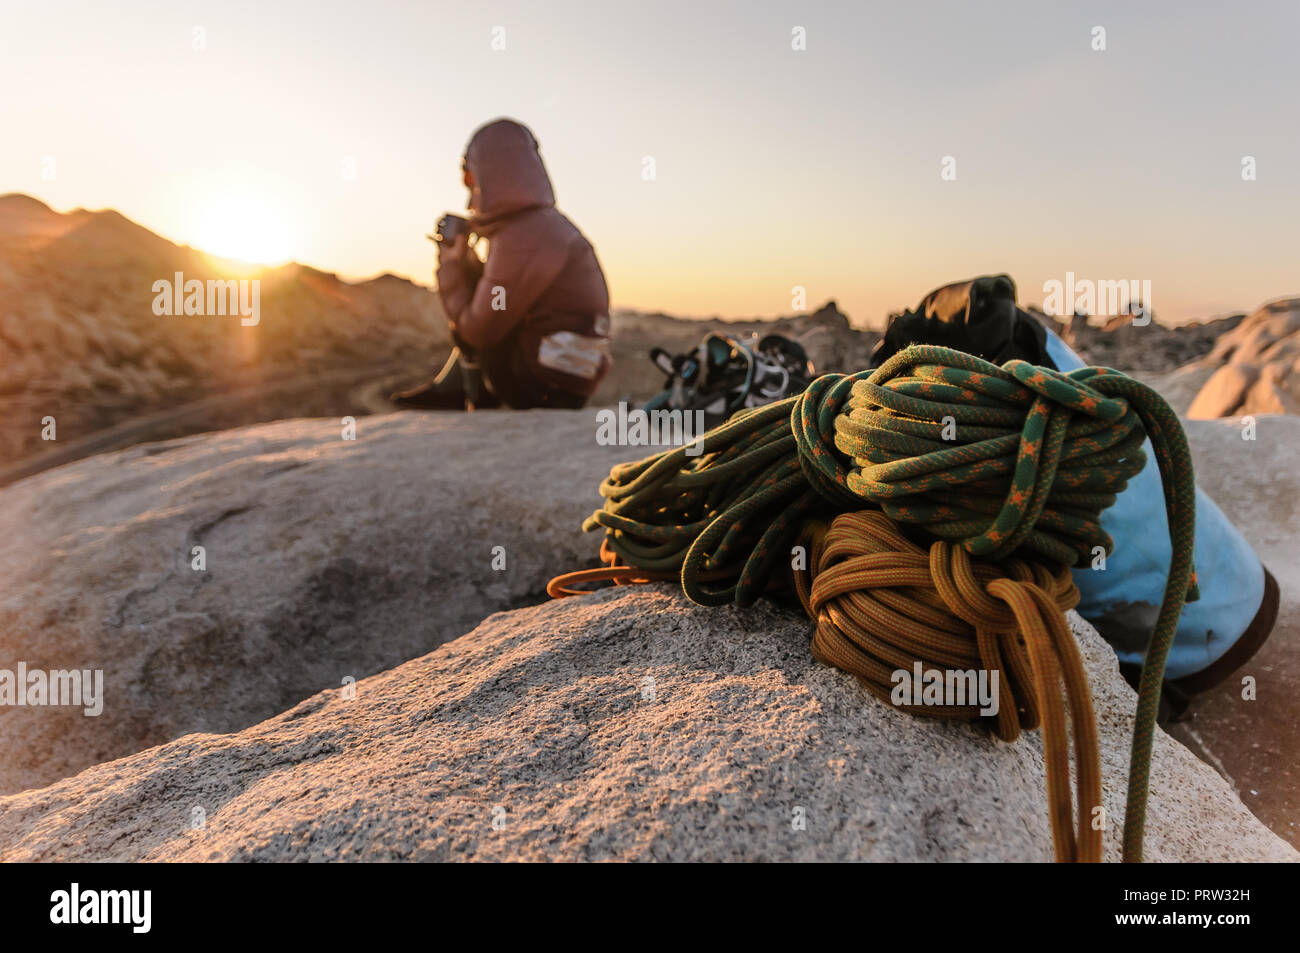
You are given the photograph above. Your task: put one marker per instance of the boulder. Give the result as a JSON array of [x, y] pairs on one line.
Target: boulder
[[1254, 366], [1178, 387], [622, 725], [324, 558]]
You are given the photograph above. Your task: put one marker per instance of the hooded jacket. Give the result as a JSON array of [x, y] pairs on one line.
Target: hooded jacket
[[541, 283]]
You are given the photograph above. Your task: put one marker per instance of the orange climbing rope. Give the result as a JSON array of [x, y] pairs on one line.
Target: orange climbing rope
[[882, 604]]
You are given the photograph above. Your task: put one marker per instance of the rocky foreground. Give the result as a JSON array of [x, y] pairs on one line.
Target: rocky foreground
[[323, 558], [627, 724], [1254, 742]]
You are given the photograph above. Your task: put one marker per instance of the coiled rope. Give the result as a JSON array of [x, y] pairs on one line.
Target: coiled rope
[[882, 604], [994, 461]]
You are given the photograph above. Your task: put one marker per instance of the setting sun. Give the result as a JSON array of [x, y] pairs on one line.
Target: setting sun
[[245, 229]]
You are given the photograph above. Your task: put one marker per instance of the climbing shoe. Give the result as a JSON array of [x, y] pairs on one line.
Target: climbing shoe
[[1177, 694]]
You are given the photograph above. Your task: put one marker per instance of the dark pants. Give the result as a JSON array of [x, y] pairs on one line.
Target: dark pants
[[504, 378], [510, 376]]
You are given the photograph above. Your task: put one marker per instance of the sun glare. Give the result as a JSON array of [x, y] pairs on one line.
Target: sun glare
[[243, 229]]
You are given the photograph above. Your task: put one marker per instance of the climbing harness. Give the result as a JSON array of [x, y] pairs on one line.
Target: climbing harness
[[1002, 473], [726, 374]]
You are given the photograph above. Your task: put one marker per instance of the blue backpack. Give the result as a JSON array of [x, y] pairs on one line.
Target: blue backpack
[[1239, 598]]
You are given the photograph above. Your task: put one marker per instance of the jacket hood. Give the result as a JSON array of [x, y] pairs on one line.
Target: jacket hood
[[509, 176]]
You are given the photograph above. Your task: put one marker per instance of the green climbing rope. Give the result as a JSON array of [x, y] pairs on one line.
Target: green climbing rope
[[998, 460]]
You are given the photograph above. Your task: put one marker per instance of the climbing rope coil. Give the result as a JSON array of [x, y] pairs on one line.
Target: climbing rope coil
[[928, 512]]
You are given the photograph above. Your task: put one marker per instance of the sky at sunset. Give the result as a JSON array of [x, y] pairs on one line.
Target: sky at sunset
[[331, 134]]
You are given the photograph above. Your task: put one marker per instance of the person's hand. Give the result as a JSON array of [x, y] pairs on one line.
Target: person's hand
[[458, 273], [454, 249], [453, 255]]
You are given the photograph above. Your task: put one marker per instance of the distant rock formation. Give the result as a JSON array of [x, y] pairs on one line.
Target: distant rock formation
[[1118, 342], [80, 340]]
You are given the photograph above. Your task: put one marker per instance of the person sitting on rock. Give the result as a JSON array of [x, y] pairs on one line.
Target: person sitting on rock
[[533, 317]]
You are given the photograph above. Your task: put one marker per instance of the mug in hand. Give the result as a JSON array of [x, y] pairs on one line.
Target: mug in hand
[[449, 228]]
